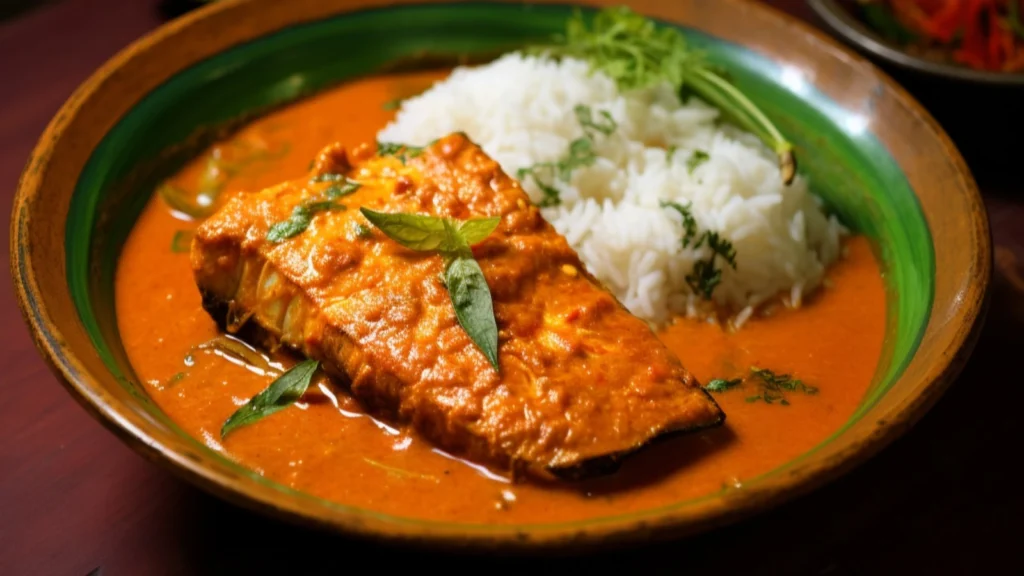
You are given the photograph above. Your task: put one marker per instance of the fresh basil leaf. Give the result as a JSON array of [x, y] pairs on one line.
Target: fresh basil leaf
[[414, 231], [288, 388], [463, 278], [471, 298], [454, 245], [473, 231]]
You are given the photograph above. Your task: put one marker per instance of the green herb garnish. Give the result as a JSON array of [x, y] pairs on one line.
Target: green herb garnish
[[636, 53], [302, 215], [393, 104], [217, 172], [341, 184], [774, 386], [327, 177], [401, 151], [389, 148], [605, 124], [467, 287], [720, 385], [689, 222], [182, 241], [300, 219], [705, 276], [281, 393], [346, 187], [552, 197], [782, 381], [363, 231], [580, 154], [696, 159]]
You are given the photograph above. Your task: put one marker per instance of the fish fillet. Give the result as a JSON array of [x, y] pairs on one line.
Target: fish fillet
[[583, 382]]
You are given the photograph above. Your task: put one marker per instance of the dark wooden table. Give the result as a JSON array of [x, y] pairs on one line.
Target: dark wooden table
[[944, 499]]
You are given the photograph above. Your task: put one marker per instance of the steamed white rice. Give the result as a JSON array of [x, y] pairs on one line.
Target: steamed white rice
[[520, 111]]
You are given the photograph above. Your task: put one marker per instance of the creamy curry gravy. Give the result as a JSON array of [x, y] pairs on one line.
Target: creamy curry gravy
[[326, 446]]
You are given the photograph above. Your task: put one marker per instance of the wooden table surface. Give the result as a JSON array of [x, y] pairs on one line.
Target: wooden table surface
[[73, 500]]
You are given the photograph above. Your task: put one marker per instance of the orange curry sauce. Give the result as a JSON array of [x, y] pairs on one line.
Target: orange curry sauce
[[326, 446]]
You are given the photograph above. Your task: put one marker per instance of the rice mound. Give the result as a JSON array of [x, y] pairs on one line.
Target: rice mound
[[519, 109]]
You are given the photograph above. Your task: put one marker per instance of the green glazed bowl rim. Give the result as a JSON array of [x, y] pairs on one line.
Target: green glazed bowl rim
[[857, 33], [112, 412]]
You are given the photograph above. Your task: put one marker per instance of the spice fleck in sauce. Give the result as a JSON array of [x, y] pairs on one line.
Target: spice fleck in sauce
[[327, 446]]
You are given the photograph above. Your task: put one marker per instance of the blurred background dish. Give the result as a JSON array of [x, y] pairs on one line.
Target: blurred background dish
[[979, 109], [980, 41]]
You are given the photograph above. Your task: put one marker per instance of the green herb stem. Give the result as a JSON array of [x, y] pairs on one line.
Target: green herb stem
[[746, 114], [400, 472]]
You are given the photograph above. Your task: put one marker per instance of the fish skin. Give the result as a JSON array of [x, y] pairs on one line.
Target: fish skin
[[380, 322]]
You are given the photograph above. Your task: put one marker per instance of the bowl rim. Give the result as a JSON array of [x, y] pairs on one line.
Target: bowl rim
[[89, 393], [857, 33]]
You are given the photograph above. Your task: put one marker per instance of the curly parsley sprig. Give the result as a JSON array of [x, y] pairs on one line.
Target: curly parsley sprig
[[636, 53]]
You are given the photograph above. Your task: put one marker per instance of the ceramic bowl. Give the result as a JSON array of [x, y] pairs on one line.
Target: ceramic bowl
[[870, 150], [841, 18]]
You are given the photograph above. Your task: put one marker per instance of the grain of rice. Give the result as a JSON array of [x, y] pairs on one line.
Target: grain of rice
[[519, 109]]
